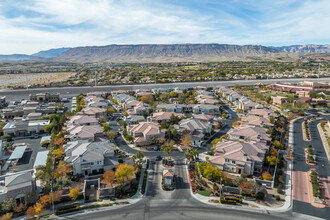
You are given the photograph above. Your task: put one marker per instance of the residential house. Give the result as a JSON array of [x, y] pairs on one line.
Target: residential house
[[145, 133], [164, 116], [302, 93], [204, 117], [305, 100], [17, 186], [206, 109], [247, 104], [197, 128], [85, 132], [93, 111], [122, 98], [255, 121], [131, 104], [249, 133], [263, 112], [240, 157], [90, 158], [170, 108], [134, 119], [279, 100], [135, 107], [77, 120]]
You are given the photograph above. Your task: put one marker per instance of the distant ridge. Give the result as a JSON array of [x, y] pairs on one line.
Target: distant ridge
[[307, 48], [51, 52], [162, 53], [144, 53], [17, 57]]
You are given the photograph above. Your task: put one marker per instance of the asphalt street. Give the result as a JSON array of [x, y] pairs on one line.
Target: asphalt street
[[300, 168], [177, 204], [73, 91]]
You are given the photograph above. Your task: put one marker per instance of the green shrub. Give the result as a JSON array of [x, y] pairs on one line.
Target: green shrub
[[260, 196], [204, 192], [277, 197], [280, 179], [214, 201], [279, 188]]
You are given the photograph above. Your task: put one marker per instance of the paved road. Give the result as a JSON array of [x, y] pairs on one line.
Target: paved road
[[178, 204], [73, 91], [300, 189]]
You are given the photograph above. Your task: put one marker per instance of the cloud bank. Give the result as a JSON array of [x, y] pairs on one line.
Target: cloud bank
[[30, 26]]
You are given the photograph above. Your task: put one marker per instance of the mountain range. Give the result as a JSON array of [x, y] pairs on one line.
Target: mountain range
[[165, 53]]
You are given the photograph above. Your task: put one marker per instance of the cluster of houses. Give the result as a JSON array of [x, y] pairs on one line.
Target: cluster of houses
[[87, 149], [238, 100], [145, 125], [244, 150]]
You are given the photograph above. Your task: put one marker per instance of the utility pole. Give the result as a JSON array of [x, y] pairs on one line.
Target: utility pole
[[52, 183], [155, 76], [95, 79], [268, 73], [319, 70], [27, 82]]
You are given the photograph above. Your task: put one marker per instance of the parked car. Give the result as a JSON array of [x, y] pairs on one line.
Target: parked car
[[156, 149], [158, 158]]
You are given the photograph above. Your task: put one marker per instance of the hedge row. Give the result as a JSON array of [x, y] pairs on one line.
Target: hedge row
[[67, 209], [230, 200]]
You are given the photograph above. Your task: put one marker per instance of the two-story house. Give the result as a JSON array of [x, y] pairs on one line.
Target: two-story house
[[196, 128], [249, 133], [88, 158], [145, 133], [17, 185], [239, 157]]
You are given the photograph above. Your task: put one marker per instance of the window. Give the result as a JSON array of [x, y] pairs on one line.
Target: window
[[233, 161], [226, 160]]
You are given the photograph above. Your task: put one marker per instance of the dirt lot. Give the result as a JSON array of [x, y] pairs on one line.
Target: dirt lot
[[10, 80]]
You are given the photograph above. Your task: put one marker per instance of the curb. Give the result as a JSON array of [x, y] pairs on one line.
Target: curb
[[310, 195], [310, 164], [324, 142], [303, 131]]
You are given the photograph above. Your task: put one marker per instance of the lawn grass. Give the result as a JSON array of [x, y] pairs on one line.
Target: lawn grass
[[204, 192]]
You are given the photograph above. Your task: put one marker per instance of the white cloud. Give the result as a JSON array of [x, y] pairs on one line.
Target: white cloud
[[69, 23]]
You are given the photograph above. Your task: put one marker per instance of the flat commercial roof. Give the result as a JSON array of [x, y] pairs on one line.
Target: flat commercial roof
[[41, 158], [18, 153]]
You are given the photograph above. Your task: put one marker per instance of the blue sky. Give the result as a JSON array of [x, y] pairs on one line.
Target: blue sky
[[28, 26]]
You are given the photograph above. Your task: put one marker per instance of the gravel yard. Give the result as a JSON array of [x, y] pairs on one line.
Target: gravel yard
[[10, 80]]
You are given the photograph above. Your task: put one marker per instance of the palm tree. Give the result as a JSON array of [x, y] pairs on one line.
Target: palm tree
[[191, 154], [167, 148]]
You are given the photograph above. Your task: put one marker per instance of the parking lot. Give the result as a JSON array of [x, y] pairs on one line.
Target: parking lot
[[27, 161]]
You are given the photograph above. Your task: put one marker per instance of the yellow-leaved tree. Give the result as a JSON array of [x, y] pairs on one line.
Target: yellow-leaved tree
[[74, 193], [124, 173], [108, 178]]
